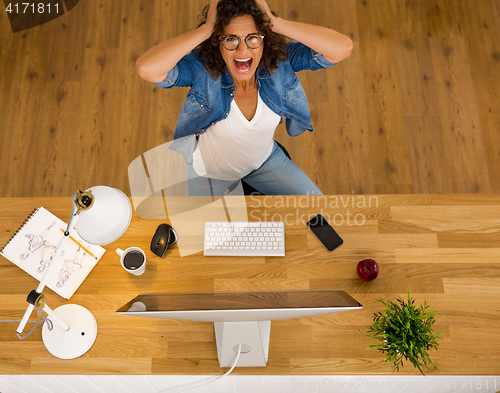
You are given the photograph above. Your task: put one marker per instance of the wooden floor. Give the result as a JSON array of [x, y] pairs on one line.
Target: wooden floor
[[415, 109]]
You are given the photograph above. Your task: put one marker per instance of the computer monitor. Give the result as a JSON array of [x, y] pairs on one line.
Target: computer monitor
[[241, 317]]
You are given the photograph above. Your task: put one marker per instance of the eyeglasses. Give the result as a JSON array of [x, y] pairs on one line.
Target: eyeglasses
[[253, 41]]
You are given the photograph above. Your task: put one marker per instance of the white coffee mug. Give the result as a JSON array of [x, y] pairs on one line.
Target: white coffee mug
[[133, 260]]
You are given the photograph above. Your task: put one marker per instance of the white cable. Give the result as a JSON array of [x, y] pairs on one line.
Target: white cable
[[235, 361], [215, 377]]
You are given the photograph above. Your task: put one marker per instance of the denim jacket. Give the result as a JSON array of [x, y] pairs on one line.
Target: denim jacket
[[209, 101]]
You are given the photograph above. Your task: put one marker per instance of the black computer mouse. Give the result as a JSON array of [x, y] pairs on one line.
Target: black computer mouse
[[164, 236]]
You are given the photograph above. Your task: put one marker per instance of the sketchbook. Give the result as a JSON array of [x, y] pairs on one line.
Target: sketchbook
[[40, 235]]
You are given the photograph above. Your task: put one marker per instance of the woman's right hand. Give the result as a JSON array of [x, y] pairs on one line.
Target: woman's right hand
[[157, 61], [212, 13]]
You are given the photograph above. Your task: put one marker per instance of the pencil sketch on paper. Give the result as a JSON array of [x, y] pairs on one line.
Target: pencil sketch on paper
[[35, 242], [70, 266]]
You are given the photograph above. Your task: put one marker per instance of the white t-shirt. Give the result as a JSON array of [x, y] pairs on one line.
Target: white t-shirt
[[235, 146]]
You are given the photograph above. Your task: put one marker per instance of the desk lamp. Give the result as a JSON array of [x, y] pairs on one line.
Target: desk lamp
[[100, 216]]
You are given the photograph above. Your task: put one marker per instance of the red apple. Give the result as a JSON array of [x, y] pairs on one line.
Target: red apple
[[367, 269]]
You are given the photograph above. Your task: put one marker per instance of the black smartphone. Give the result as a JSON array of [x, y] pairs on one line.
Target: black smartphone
[[324, 232]]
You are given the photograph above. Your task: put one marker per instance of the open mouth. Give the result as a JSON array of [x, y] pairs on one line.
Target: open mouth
[[243, 65]]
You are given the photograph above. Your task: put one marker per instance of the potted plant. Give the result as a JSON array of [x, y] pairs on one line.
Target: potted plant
[[405, 332]]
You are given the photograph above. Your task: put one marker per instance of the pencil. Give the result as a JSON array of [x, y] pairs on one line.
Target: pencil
[[81, 246]]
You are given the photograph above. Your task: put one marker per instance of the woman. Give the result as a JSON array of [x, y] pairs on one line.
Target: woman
[[242, 78]]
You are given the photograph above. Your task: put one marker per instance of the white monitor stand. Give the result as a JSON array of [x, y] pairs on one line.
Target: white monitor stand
[[241, 317], [254, 337]]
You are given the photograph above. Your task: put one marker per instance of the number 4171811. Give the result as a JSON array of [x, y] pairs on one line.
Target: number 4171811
[[33, 8]]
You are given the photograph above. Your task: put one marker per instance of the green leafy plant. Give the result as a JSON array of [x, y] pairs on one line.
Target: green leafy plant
[[405, 332]]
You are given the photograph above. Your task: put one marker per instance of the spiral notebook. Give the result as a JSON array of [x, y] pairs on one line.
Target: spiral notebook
[[39, 236]]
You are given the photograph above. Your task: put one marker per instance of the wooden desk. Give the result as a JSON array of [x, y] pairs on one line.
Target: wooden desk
[[443, 248]]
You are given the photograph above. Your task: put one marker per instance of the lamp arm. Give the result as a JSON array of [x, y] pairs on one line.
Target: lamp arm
[[26, 316], [72, 222], [54, 318], [74, 215]]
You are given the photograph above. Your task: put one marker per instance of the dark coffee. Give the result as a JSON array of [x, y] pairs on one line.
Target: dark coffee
[[133, 260]]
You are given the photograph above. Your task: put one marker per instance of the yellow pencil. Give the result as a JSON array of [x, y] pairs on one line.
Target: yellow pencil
[[81, 246]]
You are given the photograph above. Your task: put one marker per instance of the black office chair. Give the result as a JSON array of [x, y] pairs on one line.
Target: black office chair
[[248, 189]]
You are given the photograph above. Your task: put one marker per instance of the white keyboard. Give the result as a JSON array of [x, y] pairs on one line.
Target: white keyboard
[[244, 239]]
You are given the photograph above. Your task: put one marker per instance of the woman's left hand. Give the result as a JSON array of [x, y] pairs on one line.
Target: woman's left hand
[[265, 7]]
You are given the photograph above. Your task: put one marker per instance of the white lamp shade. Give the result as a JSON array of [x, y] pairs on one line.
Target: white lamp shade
[[107, 219]]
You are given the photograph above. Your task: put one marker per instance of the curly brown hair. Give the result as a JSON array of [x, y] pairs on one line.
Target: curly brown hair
[[274, 44]]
